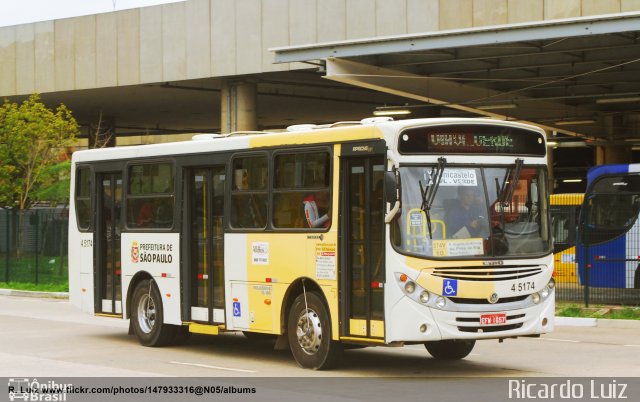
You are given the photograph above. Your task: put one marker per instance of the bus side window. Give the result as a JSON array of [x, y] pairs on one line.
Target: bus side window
[[302, 194], [150, 196], [249, 192], [83, 198], [287, 211]]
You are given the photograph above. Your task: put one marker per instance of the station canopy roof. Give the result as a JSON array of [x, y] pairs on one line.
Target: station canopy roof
[[577, 77]]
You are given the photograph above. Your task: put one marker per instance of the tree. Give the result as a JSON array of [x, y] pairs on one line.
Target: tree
[[56, 185], [33, 139]]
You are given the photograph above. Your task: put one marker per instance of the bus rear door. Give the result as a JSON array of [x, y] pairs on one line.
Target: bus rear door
[[205, 202]]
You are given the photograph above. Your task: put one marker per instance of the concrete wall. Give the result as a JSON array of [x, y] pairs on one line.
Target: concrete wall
[[205, 38]]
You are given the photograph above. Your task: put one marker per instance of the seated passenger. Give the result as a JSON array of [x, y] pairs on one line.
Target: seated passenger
[[314, 205], [145, 216]]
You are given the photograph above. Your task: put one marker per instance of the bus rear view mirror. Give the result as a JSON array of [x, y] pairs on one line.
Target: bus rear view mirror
[[390, 187]]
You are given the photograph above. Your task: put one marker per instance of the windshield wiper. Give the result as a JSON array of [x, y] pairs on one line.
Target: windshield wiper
[[428, 192], [506, 190]]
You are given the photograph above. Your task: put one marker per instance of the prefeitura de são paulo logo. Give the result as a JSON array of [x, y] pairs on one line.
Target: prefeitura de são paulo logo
[[135, 252]]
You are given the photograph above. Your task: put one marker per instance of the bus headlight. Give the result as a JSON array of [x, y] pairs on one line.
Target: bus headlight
[[535, 298], [424, 296], [544, 292], [409, 287], [414, 291]]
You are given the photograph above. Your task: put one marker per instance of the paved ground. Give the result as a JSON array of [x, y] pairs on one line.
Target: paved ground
[[49, 337]]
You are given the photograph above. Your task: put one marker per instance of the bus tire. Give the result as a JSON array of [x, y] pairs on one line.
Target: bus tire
[[309, 332], [147, 316], [450, 349]]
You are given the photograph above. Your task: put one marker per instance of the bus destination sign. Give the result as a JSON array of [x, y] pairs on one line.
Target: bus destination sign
[[471, 138]]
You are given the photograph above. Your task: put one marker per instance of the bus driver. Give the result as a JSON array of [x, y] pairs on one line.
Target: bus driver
[[464, 216]]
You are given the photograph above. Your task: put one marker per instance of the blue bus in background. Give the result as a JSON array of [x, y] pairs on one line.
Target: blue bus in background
[[608, 244]]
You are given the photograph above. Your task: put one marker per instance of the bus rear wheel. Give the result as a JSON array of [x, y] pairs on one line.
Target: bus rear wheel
[[450, 349], [309, 332], [147, 316]]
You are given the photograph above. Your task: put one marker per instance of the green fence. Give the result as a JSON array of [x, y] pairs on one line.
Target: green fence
[[33, 246]]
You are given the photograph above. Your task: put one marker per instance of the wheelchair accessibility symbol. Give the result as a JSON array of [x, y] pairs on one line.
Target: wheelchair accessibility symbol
[[236, 309], [450, 287]]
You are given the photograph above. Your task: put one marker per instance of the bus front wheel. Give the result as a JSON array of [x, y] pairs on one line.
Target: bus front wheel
[[309, 332], [450, 349], [147, 316]]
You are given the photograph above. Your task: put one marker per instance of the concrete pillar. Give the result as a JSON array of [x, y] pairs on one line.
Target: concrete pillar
[[617, 154], [102, 133], [606, 154], [610, 153], [238, 100], [599, 157]]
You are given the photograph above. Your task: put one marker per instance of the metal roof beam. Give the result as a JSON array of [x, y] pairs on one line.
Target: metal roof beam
[[546, 30], [447, 93]]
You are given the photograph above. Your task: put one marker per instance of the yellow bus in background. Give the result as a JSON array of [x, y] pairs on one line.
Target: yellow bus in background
[[565, 209]]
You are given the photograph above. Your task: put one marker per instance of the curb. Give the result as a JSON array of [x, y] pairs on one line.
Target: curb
[[596, 322], [31, 293], [608, 323], [576, 322]]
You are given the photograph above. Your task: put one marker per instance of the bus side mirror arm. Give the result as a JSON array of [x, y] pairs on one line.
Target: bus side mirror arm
[[392, 188]]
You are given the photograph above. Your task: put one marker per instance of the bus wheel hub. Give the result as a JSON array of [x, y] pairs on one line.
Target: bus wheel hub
[[309, 332]]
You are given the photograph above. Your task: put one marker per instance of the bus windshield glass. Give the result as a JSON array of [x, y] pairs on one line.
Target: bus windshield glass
[[611, 208], [475, 212]]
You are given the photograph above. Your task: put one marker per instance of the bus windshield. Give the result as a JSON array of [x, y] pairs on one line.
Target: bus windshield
[[475, 212], [611, 208]]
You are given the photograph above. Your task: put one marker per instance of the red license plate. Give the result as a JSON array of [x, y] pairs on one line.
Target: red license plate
[[493, 319]]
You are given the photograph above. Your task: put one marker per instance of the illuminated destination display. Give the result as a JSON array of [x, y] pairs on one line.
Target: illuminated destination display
[[471, 138]]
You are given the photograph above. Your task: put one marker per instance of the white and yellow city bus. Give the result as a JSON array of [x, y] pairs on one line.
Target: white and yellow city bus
[[380, 232]]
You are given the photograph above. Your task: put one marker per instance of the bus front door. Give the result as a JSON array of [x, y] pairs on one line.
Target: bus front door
[[362, 279], [206, 234], [108, 228]]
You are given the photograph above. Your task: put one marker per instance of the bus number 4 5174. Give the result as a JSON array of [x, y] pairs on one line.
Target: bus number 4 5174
[[523, 286]]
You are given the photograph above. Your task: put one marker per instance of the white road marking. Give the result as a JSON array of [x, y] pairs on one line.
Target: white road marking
[[560, 340], [633, 346], [214, 367]]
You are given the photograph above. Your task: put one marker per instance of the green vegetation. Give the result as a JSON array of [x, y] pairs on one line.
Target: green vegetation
[[23, 272], [43, 287], [33, 141], [598, 311]]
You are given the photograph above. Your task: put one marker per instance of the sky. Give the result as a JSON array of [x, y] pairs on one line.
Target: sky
[[14, 12]]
